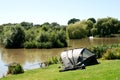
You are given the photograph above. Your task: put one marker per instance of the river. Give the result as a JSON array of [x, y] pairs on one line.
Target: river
[[30, 58]]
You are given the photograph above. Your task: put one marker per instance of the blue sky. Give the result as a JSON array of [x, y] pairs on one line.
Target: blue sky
[[60, 11]]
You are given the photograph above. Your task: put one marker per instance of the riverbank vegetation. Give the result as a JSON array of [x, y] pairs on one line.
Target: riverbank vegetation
[[108, 52], [27, 35], [106, 70], [54, 35], [103, 27], [15, 68]]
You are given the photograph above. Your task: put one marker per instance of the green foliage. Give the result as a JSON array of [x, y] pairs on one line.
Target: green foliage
[[1, 29], [26, 25], [59, 44], [92, 19], [73, 20], [59, 39], [15, 68], [107, 51], [115, 46], [50, 39], [54, 24], [99, 50], [46, 45], [54, 38], [113, 53], [94, 31], [52, 60], [26, 35], [77, 30], [106, 26], [30, 44], [90, 24], [43, 37], [13, 37]]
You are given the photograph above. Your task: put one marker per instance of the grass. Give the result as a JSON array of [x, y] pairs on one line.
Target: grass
[[106, 70]]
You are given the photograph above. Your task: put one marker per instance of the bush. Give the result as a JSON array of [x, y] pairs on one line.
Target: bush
[[13, 37], [77, 30], [53, 60], [15, 68], [115, 45], [30, 44], [46, 45], [59, 44], [26, 36], [43, 37], [113, 53], [99, 50]]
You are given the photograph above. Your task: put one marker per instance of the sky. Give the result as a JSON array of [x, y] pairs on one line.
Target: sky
[[60, 11]]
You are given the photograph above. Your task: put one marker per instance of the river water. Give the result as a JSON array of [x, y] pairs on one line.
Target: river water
[[30, 58]]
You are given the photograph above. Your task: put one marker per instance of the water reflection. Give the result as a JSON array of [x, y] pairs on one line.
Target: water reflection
[[3, 68], [92, 42], [28, 55]]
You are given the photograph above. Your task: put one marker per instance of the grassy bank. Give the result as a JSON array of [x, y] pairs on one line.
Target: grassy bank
[[106, 70]]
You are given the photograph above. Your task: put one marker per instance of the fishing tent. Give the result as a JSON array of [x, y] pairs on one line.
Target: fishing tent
[[77, 58]]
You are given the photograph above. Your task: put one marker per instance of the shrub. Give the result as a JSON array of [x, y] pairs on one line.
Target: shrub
[[46, 45], [30, 44], [13, 37], [53, 60], [39, 45], [115, 45], [113, 53], [77, 30], [59, 44], [24, 35], [99, 50], [15, 68]]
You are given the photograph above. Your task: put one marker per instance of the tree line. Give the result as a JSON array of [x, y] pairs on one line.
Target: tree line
[[27, 35], [102, 27], [54, 35]]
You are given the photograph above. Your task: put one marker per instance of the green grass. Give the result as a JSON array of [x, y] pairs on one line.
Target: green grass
[[106, 70]]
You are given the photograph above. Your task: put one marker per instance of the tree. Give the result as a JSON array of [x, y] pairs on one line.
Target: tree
[[73, 20], [114, 25], [45, 26], [92, 19], [89, 27], [107, 26], [14, 37], [77, 30], [43, 37], [26, 25], [94, 31], [54, 24]]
